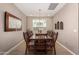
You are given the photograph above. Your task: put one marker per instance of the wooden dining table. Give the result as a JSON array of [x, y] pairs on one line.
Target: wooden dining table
[[40, 41], [36, 37]]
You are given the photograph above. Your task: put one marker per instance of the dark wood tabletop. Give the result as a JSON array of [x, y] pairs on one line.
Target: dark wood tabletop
[[35, 37]]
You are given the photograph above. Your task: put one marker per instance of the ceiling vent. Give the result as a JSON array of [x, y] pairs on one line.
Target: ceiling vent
[[52, 6]]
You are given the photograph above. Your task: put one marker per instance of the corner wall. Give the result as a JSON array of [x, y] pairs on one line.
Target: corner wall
[[69, 36]]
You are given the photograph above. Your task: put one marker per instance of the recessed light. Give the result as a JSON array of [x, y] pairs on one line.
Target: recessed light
[[52, 6]]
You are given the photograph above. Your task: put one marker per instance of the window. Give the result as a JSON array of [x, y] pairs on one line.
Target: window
[[39, 23]]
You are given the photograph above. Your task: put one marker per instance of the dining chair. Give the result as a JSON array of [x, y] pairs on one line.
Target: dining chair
[[50, 33], [51, 43], [29, 44], [25, 38], [40, 46], [55, 39], [29, 33]]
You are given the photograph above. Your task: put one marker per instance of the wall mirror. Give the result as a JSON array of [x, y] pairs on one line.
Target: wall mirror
[[12, 23]]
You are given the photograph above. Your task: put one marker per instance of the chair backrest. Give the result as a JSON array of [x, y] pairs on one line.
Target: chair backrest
[[55, 37], [50, 33], [29, 33], [25, 36]]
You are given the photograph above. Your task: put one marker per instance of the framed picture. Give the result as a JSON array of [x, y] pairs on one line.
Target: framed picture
[[61, 25], [58, 25], [12, 23]]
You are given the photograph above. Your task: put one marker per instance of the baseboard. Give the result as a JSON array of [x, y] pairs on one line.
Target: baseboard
[[66, 48], [6, 53]]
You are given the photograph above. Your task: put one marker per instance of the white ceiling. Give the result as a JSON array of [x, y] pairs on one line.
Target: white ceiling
[[32, 9]]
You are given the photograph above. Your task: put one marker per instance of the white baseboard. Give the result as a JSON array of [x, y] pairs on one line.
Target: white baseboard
[[66, 48], [13, 48]]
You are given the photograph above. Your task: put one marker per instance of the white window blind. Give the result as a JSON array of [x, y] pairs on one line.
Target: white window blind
[[39, 23]]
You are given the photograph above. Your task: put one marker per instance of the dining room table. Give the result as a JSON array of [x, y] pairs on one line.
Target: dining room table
[[40, 41]]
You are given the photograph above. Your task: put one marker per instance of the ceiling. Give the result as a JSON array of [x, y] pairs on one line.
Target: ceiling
[[32, 9]]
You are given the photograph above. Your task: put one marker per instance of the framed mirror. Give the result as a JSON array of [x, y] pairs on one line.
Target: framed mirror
[[12, 23]]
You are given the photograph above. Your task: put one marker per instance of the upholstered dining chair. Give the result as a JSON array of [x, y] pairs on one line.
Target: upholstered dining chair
[[50, 33], [51, 43], [29, 33], [29, 44], [55, 39]]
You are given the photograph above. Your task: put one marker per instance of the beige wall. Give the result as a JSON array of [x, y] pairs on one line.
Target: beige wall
[[48, 20], [69, 36], [78, 28], [9, 39]]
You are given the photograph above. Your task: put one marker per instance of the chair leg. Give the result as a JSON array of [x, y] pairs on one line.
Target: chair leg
[[54, 50], [26, 51]]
